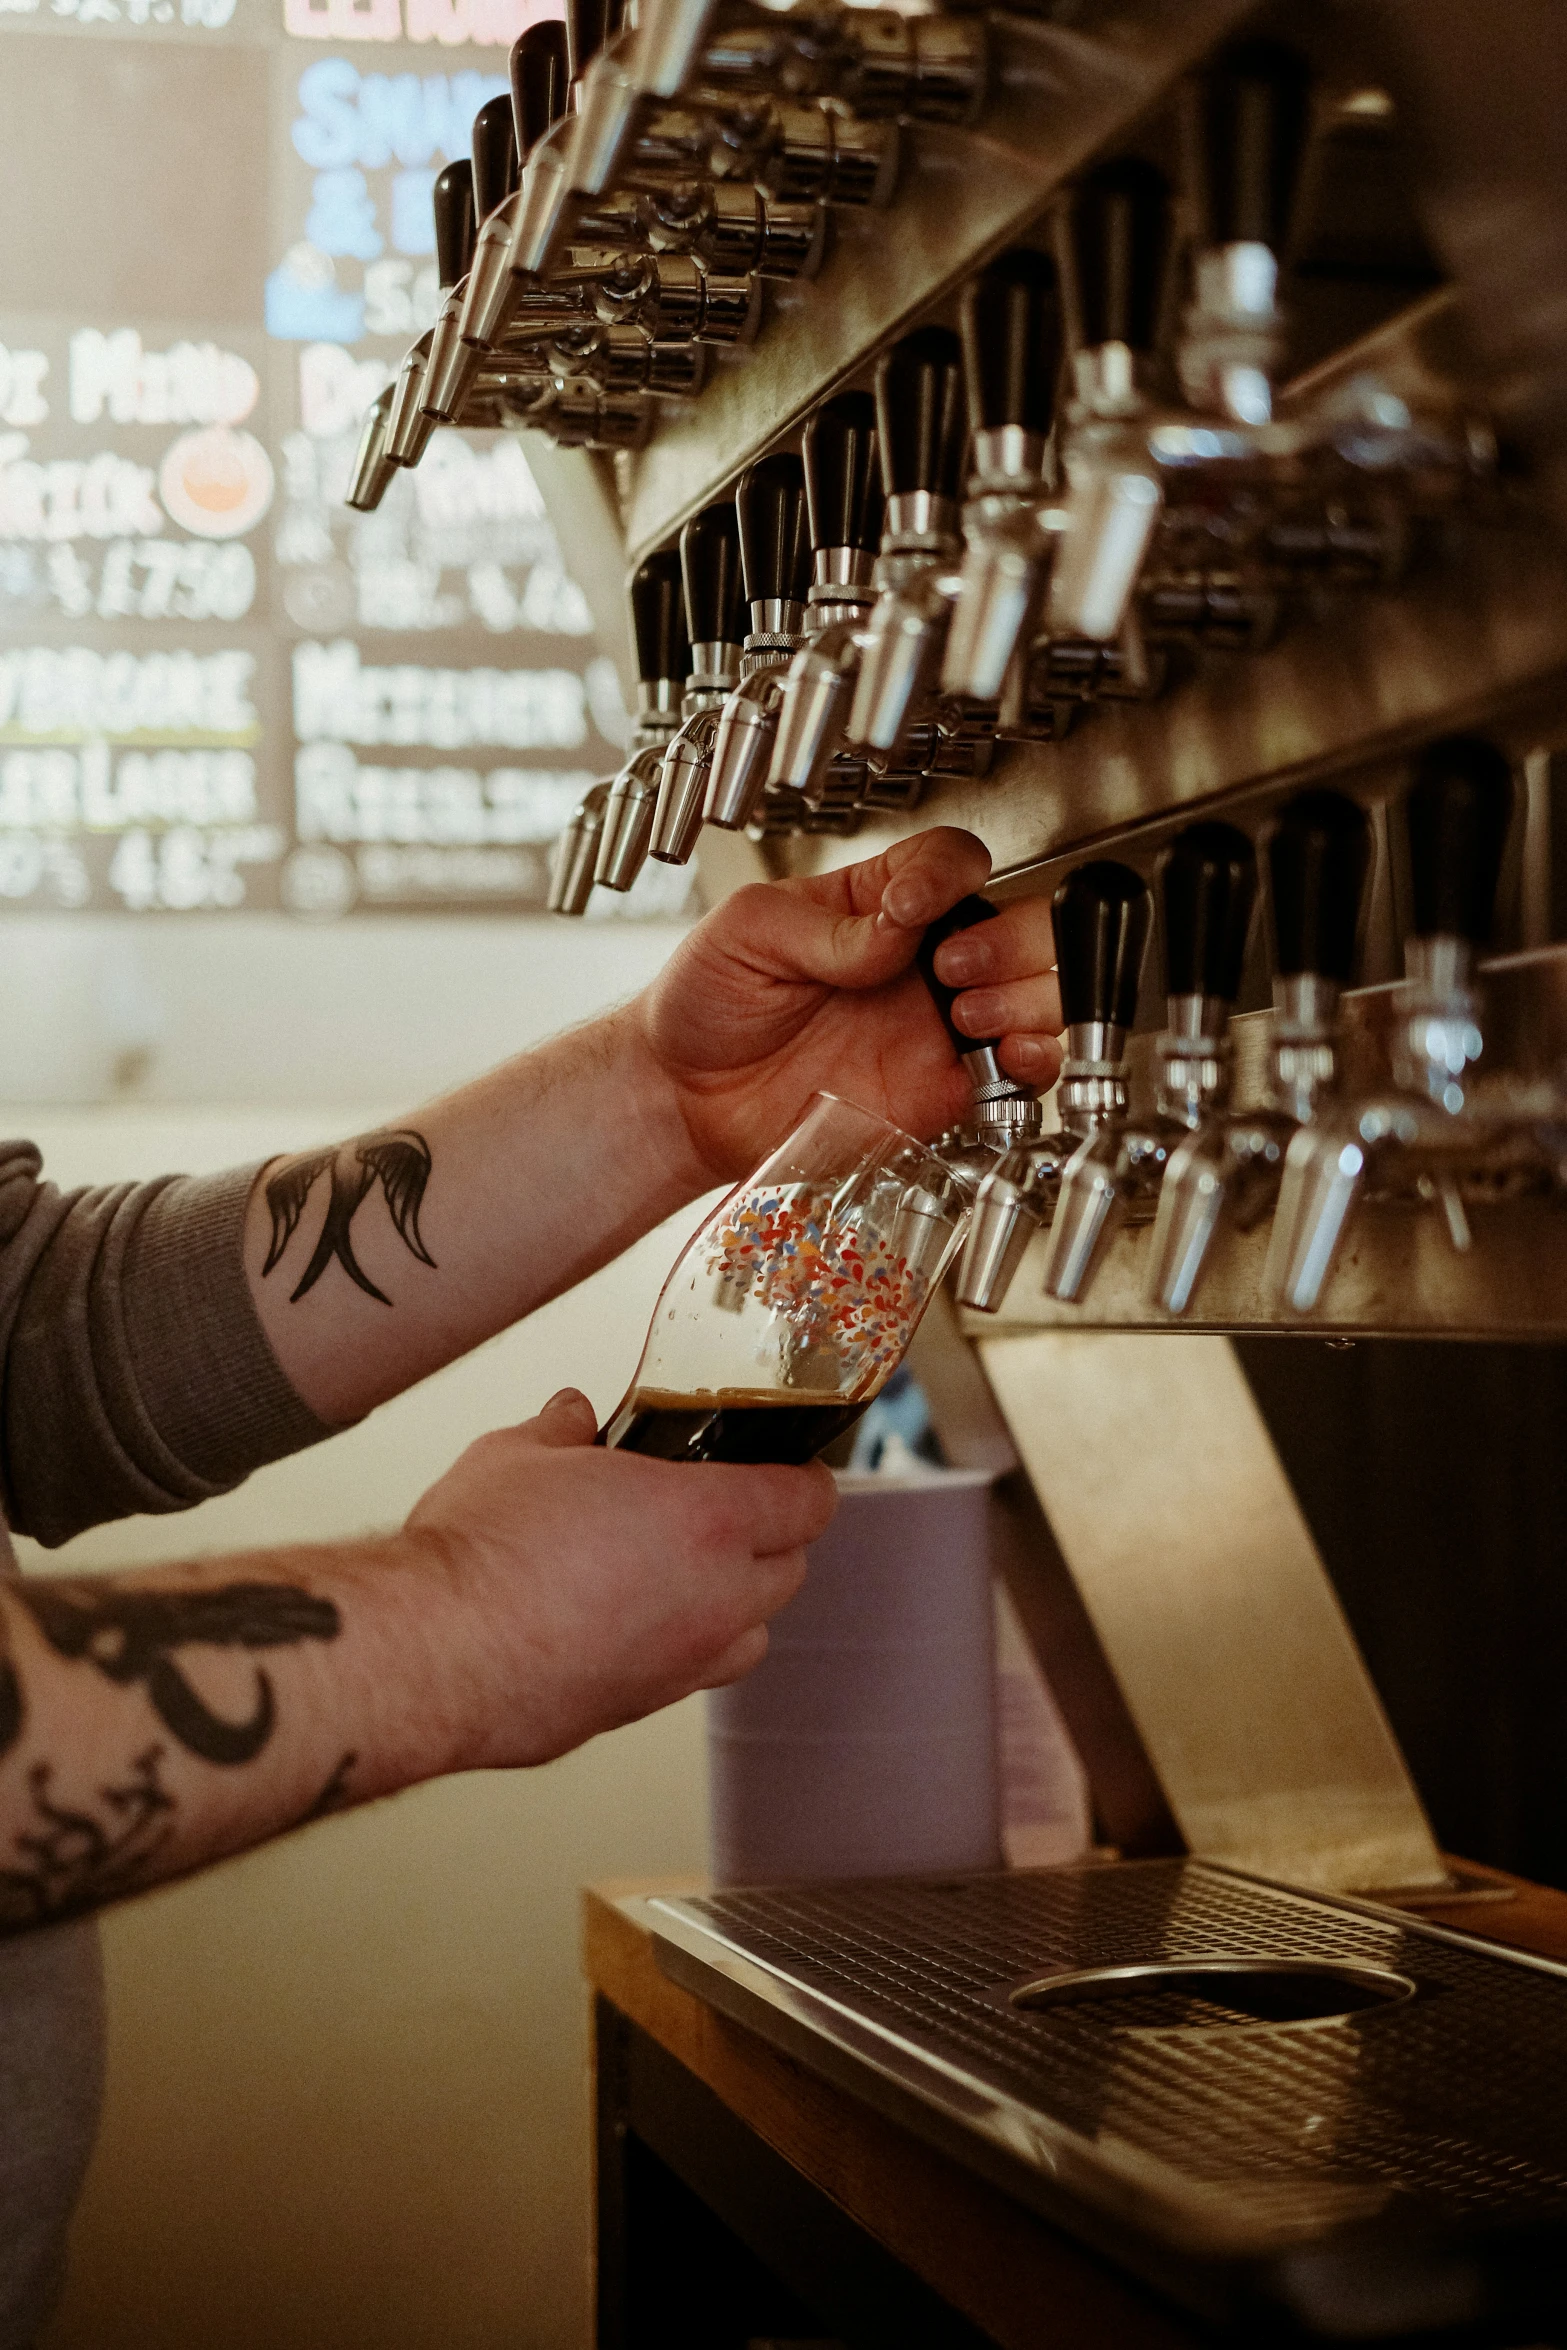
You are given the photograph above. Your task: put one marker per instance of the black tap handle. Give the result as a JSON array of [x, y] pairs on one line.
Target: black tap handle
[[775, 539], [842, 484], [658, 620], [1102, 915], [963, 916], [710, 568], [540, 82], [1119, 231], [1318, 860], [921, 415], [587, 29], [1012, 342], [1209, 886], [452, 198], [1253, 118], [1457, 812], [495, 169]]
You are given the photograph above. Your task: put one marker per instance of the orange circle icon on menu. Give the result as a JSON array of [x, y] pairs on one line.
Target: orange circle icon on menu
[[216, 483]]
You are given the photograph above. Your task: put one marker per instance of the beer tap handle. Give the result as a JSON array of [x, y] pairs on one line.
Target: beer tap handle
[[588, 27], [1208, 888], [1252, 123], [495, 167], [1002, 1107], [710, 570], [1116, 249], [1318, 860], [455, 226], [1102, 915], [843, 494], [921, 424], [540, 82], [1011, 324], [775, 546], [658, 620], [1456, 818]]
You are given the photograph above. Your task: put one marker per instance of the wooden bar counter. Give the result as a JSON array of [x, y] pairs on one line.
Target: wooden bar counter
[[743, 2201]]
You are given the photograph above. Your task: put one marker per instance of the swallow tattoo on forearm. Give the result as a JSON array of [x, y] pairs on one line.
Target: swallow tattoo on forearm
[[399, 1162]]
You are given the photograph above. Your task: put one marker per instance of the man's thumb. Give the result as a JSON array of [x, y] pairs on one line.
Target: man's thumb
[[568, 1418]]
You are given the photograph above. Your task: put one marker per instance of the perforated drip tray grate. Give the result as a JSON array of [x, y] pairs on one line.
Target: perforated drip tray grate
[[1244, 2091]]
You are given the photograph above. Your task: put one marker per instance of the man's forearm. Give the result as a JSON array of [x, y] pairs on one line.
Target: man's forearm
[[151, 1724], [374, 1262]]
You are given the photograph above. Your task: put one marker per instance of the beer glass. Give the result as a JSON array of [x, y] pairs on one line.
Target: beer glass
[[798, 1297]]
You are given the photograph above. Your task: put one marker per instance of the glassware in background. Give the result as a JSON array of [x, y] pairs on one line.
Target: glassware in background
[[798, 1297]]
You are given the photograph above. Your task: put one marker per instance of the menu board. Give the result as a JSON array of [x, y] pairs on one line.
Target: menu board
[[220, 688]]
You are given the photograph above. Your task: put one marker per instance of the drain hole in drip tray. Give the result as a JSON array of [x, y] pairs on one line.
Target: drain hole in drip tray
[[1174, 1996]]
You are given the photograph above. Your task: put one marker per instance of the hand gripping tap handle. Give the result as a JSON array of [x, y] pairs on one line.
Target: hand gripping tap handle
[[1011, 318], [714, 585], [540, 82], [999, 1101], [452, 203], [1102, 915], [496, 169]]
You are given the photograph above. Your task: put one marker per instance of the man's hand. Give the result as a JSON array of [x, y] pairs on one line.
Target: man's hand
[[798, 986], [604, 1585]]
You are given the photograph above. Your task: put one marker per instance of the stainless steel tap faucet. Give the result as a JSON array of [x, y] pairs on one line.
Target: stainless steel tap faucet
[[775, 555], [844, 504], [1418, 1137], [1102, 914], [714, 599], [1230, 1168], [922, 432], [1207, 887], [663, 649], [576, 853], [1011, 318], [1113, 243]]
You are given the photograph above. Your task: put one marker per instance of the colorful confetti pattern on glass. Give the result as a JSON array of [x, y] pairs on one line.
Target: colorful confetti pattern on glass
[[839, 1283]]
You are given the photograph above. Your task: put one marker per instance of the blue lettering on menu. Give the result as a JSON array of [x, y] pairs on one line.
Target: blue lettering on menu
[[350, 123]]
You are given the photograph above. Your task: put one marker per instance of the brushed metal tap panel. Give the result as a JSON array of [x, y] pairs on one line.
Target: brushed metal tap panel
[[1208, 1597], [1058, 92], [1218, 2156], [1398, 1274]]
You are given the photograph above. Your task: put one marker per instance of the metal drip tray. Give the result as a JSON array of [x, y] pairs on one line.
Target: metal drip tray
[[1250, 2095]]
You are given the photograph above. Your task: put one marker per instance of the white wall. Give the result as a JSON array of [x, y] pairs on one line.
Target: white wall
[[347, 2086]]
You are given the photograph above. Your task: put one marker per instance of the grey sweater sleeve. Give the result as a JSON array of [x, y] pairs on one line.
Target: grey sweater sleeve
[[134, 1371]]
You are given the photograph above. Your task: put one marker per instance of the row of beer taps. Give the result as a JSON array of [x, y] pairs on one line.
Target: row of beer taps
[[1033, 514], [654, 167], [1434, 1131]]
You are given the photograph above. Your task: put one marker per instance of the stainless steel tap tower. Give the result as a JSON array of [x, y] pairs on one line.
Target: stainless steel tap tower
[[1221, 426]]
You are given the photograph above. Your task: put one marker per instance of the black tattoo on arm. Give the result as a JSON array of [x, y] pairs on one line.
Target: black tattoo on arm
[[129, 1636], [74, 1860], [399, 1162], [334, 1796]]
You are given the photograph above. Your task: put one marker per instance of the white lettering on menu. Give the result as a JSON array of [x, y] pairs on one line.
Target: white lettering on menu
[[339, 698]]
